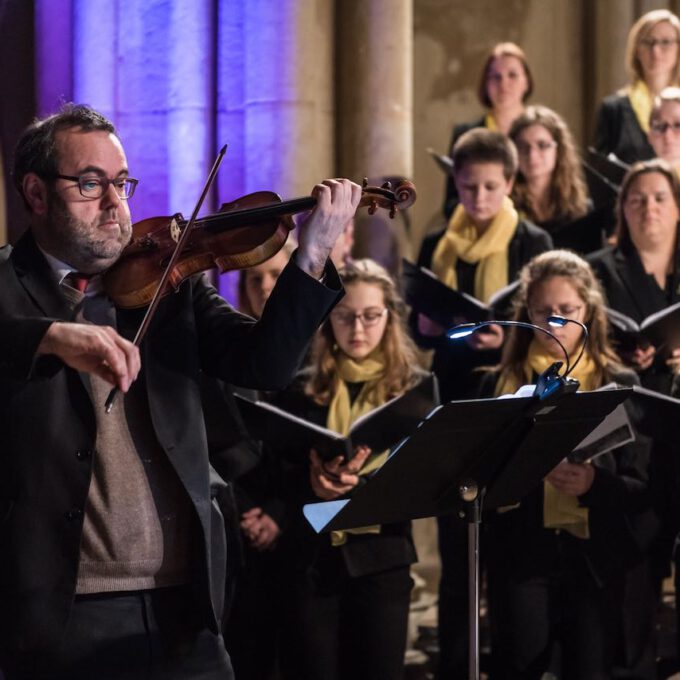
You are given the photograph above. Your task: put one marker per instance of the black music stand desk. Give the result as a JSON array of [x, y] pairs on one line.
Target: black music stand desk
[[466, 454]]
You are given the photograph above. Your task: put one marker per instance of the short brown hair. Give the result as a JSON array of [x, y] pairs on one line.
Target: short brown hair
[[36, 150], [639, 31], [480, 145], [506, 49], [642, 168]]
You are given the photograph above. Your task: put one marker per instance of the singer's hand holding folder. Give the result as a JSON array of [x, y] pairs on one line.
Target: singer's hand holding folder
[[426, 294], [661, 329], [380, 429]]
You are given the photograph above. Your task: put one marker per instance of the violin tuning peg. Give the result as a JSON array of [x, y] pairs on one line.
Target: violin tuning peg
[[372, 207], [386, 185], [364, 184]]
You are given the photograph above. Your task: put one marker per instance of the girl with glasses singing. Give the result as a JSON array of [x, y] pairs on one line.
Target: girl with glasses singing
[[653, 64], [557, 561], [550, 188], [347, 594]]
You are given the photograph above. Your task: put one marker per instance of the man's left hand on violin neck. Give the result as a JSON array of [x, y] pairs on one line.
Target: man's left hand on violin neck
[[337, 201]]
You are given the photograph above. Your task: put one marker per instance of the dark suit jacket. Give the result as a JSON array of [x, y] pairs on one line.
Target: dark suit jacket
[[48, 426], [630, 290], [451, 193], [454, 362], [617, 130]]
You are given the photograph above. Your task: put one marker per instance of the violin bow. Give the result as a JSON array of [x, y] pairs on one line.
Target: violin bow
[[181, 242]]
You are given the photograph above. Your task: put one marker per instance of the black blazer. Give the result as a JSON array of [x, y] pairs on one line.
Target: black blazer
[[300, 547], [617, 130], [630, 290], [48, 426], [454, 362], [450, 191]]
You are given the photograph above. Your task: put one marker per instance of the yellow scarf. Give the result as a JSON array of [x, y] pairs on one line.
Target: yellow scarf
[[489, 251], [490, 122], [642, 102], [560, 511], [341, 414]]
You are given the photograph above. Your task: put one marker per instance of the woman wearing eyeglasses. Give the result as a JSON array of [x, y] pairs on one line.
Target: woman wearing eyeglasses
[[550, 188], [347, 594], [557, 561], [653, 64], [664, 127]]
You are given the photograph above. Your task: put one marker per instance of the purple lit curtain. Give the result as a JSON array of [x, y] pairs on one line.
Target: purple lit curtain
[[179, 78]]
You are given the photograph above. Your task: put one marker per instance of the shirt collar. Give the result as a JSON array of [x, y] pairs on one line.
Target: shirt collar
[[62, 270]]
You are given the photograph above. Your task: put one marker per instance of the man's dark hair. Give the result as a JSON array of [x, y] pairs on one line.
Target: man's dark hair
[[36, 150]]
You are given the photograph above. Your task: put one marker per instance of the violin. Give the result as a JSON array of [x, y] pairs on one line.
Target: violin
[[241, 234]]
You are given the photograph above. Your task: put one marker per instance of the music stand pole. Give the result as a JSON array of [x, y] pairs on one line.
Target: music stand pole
[[473, 511]]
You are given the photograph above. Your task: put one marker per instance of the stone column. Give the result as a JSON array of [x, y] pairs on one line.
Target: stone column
[[288, 95], [613, 19], [375, 87], [375, 111]]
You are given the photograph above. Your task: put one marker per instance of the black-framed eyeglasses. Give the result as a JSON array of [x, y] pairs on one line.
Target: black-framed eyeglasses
[[570, 312], [541, 146], [367, 318], [96, 187], [660, 127], [663, 43]]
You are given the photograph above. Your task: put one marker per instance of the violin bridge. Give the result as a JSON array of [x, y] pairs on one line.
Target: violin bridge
[[175, 228]]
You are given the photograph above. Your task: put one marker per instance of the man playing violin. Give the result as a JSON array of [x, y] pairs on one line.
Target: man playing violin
[[111, 549]]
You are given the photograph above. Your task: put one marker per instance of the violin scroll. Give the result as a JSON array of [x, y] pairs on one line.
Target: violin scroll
[[404, 196]]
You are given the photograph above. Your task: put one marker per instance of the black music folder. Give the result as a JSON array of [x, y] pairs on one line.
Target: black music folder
[[444, 163], [614, 431], [604, 175], [380, 429], [504, 446], [609, 167], [426, 294], [661, 329], [657, 415]]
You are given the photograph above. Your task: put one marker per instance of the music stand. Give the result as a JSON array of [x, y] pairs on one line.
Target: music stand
[[469, 454]]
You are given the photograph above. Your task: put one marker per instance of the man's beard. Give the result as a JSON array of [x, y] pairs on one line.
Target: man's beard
[[76, 242]]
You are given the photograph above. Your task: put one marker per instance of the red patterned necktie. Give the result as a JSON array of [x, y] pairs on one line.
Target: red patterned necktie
[[79, 281]]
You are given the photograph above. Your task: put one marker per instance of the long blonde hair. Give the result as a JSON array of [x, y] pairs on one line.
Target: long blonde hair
[[401, 355], [568, 193], [579, 273], [639, 31]]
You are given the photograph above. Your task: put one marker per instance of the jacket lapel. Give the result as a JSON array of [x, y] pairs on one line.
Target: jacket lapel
[[646, 296], [38, 280]]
